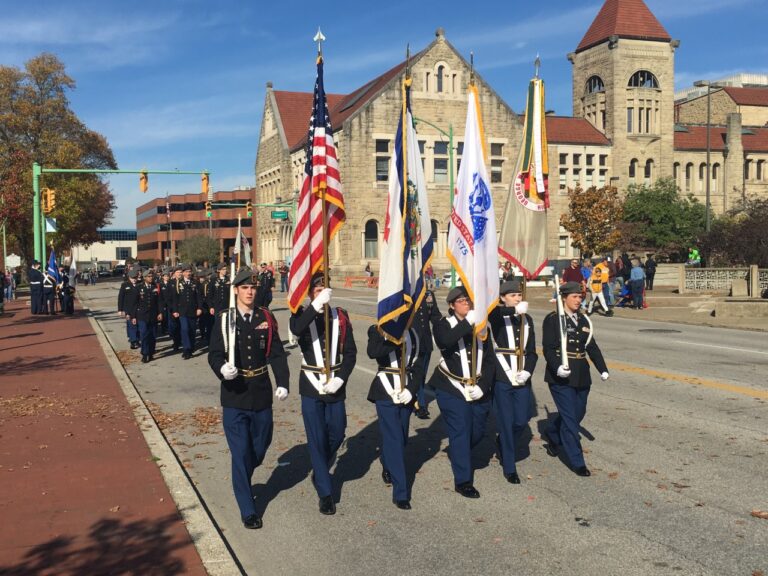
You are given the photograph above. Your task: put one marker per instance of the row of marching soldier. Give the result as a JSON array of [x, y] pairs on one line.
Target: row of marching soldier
[[464, 398]]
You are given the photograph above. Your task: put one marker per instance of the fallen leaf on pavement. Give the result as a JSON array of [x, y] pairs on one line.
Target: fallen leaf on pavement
[[760, 514], [115, 509]]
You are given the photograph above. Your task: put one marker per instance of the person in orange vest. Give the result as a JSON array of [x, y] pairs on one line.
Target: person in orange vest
[[600, 276]]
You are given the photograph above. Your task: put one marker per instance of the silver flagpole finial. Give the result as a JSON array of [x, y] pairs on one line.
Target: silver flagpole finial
[[319, 38], [537, 65]]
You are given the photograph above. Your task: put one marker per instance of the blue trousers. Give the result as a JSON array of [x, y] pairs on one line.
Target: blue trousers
[[421, 397], [35, 298], [249, 434], [49, 301], [393, 426], [512, 405], [637, 292], [188, 327], [174, 329], [325, 425], [204, 323], [564, 430], [132, 330], [147, 335], [465, 424]]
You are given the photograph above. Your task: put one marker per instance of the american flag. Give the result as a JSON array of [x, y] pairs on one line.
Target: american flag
[[321, 173]]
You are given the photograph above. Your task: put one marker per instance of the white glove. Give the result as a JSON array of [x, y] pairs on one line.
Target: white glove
[[475, 392], [471, 317], [604, 376], [522, 376], [333, 386], [228, 371], [406, 396], [323, 298], [521, 308], [563, 372], [281, 393]]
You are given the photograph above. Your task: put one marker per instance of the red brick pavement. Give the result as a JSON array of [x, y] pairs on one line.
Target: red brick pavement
[[79, 492]]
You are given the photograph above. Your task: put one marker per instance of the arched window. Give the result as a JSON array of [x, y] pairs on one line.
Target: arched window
[[715, 174], [676, 171], [434, 231], [759, 173], [440, 74], [747, 169], [648, 171], [633, 169], [702, 176], [643, 79], [594, 84], [688, 176], [371, 239]]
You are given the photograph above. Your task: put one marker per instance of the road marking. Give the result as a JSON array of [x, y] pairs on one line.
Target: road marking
[[723, 347]]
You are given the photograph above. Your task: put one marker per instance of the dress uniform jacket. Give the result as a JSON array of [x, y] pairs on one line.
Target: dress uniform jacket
[[346, 351], [381, 349], [219, 294], [499, 318], [165, 295], [447, 340], [186, 298], [425, 318], [258, 345], [148, 302], [577, 334], [127, 298]]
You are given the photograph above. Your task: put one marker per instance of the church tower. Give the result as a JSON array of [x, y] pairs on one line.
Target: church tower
[[623, 84]]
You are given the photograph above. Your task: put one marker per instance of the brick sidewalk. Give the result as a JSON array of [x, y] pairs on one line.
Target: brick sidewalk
[[79, 491]]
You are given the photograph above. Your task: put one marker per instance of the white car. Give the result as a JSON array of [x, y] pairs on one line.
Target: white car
[[447, 279]]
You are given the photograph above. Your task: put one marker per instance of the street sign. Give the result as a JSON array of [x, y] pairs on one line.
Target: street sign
[[279, 214], [50, 225]]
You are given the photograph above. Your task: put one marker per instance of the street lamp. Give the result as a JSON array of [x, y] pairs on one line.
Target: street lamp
[[708, 84], [448, 135]]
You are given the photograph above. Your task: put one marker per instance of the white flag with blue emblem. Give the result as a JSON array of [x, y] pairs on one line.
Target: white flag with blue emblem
[[472, 243]]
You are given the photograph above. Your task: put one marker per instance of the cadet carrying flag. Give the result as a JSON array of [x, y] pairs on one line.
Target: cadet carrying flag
[[53, 269], [407, 248], [472, 245], [321, 176], [523, 238]]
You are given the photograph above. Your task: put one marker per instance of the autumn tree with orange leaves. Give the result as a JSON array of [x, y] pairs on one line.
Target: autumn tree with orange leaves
[[38, 125], [593, 217]]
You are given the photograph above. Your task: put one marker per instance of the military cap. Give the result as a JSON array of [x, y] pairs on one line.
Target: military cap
[[133, 273], [201, 272], [185, 267], [318, 279], [245, 277], [456, 293], [570, 288], [222, 265], [510, 287], [166, 271], [35, 262]]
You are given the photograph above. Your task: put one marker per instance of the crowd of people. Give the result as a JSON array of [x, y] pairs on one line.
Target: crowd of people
[[50, 294]]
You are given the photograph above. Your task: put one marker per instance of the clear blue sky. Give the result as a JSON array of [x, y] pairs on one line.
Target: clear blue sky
[[180, 83]]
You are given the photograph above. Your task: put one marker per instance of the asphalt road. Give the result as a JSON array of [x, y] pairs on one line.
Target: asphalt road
[[676, 440]]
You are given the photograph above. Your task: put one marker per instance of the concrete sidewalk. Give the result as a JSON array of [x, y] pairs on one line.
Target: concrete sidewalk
[[80, 491]]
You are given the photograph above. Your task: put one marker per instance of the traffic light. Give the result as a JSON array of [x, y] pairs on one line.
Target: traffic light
[[204, 183], [143, 181], [208, 209], [249, 208], [48, 200]]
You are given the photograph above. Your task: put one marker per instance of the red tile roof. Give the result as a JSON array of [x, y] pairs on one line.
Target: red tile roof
[[295, 107], [626, 19], [755, 140], [748, 96], [567, 130]]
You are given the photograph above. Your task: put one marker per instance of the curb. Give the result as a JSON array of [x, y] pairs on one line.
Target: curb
[[216, 555]]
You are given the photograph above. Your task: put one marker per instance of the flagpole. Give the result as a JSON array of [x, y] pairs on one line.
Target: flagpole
[[237, 241], [404, 159], [473, 369], [523, 326]]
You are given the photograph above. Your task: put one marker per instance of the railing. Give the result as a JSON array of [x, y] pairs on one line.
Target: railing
[[720, 280], [367, 281]]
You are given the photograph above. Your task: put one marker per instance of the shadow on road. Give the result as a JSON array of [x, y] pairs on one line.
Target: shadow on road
[[293, 466]]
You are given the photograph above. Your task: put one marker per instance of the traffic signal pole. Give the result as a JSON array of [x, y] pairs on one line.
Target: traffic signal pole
[[38, 217]]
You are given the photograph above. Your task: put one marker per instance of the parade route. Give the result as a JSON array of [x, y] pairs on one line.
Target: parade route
[[678, 465]]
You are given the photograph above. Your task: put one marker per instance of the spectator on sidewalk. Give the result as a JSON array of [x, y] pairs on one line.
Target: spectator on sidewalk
[[596, 282], [650, 271], [586, 274], [283, 270], [637, 283], [608, 291]]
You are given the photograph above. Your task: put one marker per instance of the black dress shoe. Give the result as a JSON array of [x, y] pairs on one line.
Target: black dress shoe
[[549, 446], [467, 490], [134, 345], [253, 522], [144, 359], [583, 471], [327, 505], [512, 478], [403, 504], [422, 413], [387, 477]]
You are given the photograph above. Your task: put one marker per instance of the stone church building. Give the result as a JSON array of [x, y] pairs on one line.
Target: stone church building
[[627, 128]]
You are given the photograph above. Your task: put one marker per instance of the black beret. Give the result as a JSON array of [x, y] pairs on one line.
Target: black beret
[[570, 288], [245, 277], [456, 293], [318, 279], [133, 273], [185, 267], [222, 265], [35, 262], [510, 287]]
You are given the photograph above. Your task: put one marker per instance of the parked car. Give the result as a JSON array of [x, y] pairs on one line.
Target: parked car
[[104, 273], [447, 279], [118, 270]]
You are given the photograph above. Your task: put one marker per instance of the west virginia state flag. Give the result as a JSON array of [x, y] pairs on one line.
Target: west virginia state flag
[[524, 230], [407, 249], [472, 245]]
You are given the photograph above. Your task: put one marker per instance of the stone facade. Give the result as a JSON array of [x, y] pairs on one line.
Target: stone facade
[[721, 105]]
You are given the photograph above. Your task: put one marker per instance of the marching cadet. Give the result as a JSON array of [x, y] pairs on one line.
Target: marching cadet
[[49, 294], [205, 321], [35, 288], [187, 307], [126, 300], [174, 325], [463, 396], [569, 382], [246, 390], [512, 395], [394, 404], [219, 291], [322, 397], [164, 294], [424, 320], [148, 314], [266, 279], [66, 293]]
